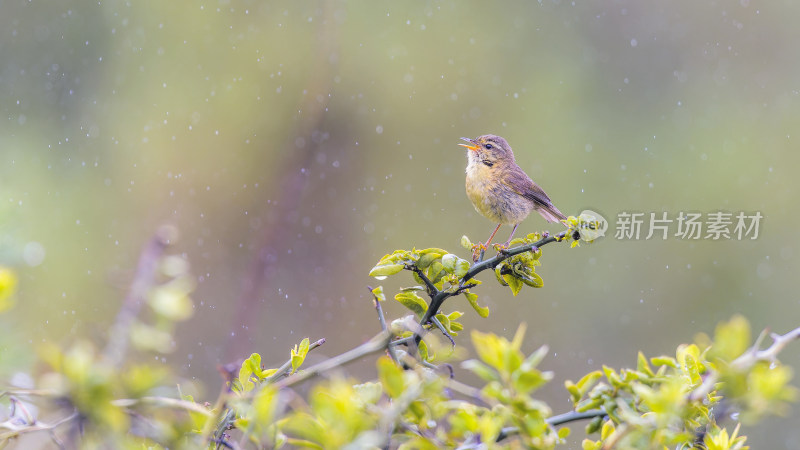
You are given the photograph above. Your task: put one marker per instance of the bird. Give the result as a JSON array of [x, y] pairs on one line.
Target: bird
[[500, 190]]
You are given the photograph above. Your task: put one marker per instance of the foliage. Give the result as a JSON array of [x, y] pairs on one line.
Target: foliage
[[699, 398], [8, 284]]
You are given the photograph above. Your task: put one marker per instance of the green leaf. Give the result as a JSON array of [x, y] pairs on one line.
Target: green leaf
[[613, 377], [436, 271], [450, 322], [466, 243], [449, 262], [594, 425], [369, 392], [391, 377], [299, 354], [472, 298], [263, 406], [526, 381], [423, 351], [385, 270], [172, 300], [588, 381], [731, 339], [427, 259], [412, 301], [574, 392], [8, 285], [461, 268], [455, 265], [532, 279], [251, 367], [513, 282], [589, 403], [498, 273], [643, 366], [445, 321], [536, 357], [664, 361], [378, 293], [497, 352], [435, 250]]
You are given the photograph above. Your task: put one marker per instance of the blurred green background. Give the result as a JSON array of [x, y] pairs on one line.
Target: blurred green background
[[294, 143]]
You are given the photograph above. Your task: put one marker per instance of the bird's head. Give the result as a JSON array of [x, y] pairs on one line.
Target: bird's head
[[488, 148]]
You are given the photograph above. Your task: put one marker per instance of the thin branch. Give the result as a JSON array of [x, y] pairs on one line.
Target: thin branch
[[464, 288], [374, 345], [555, 421], [432, 289], [402, 341], [379, 309], [288, 364], [163, 401], [30, 393], [491, 263], [441, 328], [572, 416], [382, 320]]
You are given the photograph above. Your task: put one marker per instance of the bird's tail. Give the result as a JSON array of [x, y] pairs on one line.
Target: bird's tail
[[551, 213]]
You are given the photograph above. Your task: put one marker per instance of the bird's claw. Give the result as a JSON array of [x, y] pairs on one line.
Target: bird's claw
[[477, 251], [501, 248]]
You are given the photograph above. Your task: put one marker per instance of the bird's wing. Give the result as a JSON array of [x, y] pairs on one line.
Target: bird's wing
[[524, 186], [521, 183]]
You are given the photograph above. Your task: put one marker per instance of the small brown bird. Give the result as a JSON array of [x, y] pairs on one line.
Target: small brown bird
[[499, 189]]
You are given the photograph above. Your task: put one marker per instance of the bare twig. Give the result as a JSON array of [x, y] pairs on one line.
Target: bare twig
[[144, 279], [441, 328], [747, 360], [431, 288], [377, 303], [16, 429], [382, 319], [282, 370], [163, 401]]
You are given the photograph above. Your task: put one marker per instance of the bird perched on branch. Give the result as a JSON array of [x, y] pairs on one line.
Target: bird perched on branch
[[500, 190]]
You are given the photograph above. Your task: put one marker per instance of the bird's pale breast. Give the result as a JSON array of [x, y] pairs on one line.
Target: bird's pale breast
[[492, 198]]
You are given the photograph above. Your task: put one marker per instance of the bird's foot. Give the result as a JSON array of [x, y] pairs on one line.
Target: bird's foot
[[477, 251], [501, 248]]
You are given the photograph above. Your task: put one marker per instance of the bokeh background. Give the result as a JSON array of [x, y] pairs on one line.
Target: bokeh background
[[295, 143]]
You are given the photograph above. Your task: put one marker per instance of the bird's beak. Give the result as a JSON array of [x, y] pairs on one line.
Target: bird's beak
[[473, 147]]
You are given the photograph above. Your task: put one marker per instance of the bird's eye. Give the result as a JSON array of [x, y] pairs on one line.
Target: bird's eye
[[488, 146]]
